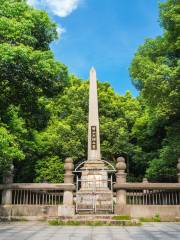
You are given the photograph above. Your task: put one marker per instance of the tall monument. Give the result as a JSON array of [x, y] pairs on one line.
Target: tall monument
[[94, 161], [94, 192], [94, 152]]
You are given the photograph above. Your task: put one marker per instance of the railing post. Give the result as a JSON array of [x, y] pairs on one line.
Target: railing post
[[144, 181], [67, 209], [120, 178], [7, 193], [68, 178], [178, 169]]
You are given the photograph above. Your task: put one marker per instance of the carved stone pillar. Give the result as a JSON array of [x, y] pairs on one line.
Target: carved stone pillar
[[68, 178], [7, 193], [68, 209], [178, 169], [120, 178]]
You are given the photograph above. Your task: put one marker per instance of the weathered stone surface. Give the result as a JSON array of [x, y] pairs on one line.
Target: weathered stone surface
[[166, 212], [28, 210], [66, 210], [7, 197], [68, 198], [120, 178]]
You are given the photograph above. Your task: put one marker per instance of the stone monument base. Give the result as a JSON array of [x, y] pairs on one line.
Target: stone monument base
[[100, 201], [94, 194]]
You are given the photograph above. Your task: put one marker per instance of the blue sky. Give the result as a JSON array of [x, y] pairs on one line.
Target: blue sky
[[102, 33]]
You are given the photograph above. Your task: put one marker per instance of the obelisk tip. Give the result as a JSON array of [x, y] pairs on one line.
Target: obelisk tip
[[93, 69]]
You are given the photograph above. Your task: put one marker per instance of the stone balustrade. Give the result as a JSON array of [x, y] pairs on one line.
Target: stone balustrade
[[39, 186], [145, 193], [34, 193]]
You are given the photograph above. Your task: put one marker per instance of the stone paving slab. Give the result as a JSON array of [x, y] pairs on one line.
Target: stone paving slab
[[42, 231]]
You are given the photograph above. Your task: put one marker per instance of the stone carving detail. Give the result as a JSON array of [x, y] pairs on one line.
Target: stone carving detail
[[120, 178], [121, 167], [68, 167], [93, 138]]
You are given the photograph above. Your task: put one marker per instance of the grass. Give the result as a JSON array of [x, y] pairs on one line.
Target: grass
[[177, 219], [121, 218], [156, 218], [56, 222]]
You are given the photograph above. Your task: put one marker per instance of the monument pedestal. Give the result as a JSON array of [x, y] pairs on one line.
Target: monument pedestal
[[94, 194]]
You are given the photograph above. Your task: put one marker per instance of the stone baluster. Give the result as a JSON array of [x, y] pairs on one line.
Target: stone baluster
[[120, 178], [7, 193], [178, 169]]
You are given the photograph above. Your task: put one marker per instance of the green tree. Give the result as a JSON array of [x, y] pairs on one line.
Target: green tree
[[50, 169], [155, 71], [28, 74], [9, 150]]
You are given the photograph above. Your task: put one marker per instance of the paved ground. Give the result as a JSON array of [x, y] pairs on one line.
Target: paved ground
[[41, 231]]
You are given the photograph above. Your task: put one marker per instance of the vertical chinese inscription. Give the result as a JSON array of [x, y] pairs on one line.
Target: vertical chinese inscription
[[93, 138]]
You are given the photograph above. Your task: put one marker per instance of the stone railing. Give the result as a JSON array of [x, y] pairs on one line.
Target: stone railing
[[34, 193], [39, 193], [35, 199], [146, 199], [145, 193], [150, 193]]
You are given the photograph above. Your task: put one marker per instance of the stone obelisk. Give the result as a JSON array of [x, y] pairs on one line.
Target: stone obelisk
[[94, 192], [94, 152], [94, 163]]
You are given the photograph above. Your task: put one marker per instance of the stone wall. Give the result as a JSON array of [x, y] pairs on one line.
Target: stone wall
[[166, 212], [29, 212]]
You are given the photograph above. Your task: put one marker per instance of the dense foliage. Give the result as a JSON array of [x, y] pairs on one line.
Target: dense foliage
[[155, 70], [28, 72], [43, 109]]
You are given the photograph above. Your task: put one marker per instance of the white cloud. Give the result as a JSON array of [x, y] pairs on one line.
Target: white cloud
[[61, 8]]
